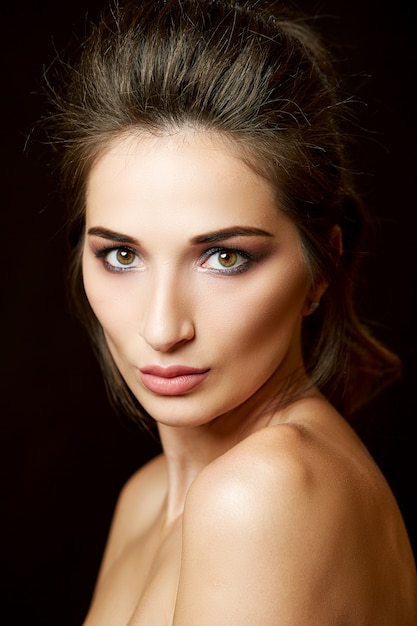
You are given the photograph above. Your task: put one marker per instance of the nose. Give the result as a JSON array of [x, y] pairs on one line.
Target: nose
[[167, 313]]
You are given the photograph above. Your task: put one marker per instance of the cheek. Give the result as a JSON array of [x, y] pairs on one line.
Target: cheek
[[104, 297], [265, 307], [112, 314]]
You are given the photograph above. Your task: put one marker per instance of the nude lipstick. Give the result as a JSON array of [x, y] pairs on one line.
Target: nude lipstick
[[171, 381]]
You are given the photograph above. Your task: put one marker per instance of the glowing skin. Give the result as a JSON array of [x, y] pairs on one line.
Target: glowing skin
[[188, 263]]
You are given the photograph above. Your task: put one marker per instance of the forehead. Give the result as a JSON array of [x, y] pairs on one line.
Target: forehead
[[187, 176]]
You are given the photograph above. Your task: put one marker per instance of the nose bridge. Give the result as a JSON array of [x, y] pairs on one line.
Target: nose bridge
[[167, 315]]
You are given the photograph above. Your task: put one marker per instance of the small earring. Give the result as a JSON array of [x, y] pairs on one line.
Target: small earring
[[313, 306]]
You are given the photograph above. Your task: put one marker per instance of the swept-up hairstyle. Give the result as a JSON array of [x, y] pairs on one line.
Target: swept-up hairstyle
[[258, 76]]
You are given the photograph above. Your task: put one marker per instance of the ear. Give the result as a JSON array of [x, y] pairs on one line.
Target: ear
[[316, 293], [313, 299]]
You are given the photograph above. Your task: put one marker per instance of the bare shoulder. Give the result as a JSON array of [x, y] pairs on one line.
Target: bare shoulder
[[301, 517], [141, 496], [284, 474], [312, 458], [291, 460], [145, 489], [138, 504]]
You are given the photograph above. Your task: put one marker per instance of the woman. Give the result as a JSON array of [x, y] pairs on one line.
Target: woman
[[216, 235]]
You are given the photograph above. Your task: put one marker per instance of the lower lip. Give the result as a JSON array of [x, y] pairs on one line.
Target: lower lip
[[175, 386]]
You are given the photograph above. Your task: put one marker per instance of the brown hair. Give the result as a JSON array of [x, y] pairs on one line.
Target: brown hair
[[259, 76]]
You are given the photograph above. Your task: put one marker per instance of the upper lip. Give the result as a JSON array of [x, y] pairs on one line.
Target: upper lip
[[171, 372]]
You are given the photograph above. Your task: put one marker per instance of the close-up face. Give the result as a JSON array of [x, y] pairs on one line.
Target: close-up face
[[195, 275]]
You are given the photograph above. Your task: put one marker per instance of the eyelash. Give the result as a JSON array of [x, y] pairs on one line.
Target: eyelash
[[248, 259]]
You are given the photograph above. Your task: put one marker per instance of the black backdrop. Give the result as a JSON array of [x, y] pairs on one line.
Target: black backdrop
[[64, 454]]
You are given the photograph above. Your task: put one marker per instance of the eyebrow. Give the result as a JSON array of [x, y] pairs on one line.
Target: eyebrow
[[218, 235], [105, 233], [228, 233]]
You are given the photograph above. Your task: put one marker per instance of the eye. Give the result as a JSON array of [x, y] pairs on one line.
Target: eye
[[119, 259], [226, 260]]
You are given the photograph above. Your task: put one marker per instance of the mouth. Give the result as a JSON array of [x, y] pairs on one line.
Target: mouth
[[172, 381]]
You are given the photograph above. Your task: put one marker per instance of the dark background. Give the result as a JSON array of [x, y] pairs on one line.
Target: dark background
[[64, 454]]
